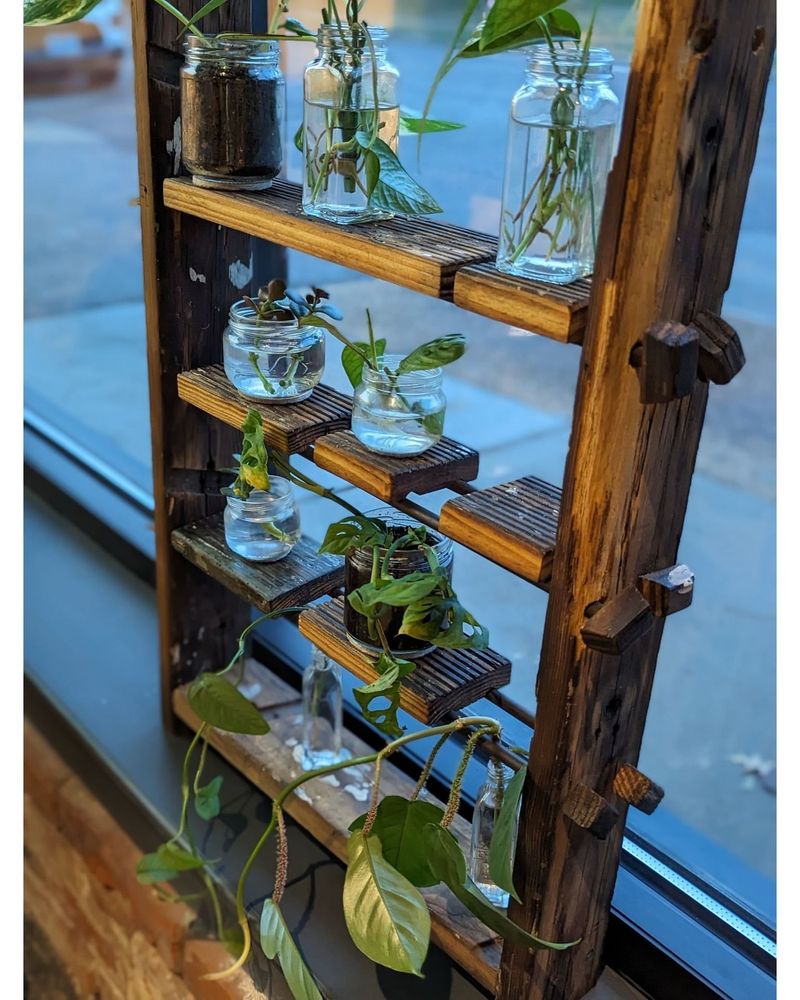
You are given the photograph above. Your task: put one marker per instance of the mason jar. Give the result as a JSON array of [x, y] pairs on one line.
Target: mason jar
[[398, 414], [358, 566], [264, 527], [560, 147], [233, 112], [340, 88], [484, 818], [275, 361]]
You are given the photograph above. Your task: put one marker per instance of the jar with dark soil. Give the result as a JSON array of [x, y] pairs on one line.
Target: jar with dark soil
[[233, 108], [358, 571]]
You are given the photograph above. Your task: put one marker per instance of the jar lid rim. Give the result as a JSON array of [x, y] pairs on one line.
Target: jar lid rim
[[598, 58]]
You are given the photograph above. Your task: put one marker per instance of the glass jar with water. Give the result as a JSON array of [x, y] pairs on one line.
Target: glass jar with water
[[560, 147], [484, 818], [265, 526], [273, 360], [349, 89]]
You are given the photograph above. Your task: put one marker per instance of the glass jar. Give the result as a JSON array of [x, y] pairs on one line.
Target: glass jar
[[275, 361], [560, 147], [358, 566], [322, 712], [339, 88], [266, 526], [398, 414], [233, 113], [484, 817]]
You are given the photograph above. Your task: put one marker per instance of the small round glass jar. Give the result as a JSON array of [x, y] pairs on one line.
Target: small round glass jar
[[266, 526], [358, 571], [339, 88], [398, 414], [274, 361], [233, 113]]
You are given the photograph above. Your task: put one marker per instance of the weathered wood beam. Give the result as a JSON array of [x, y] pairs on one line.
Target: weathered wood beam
[[667, 241]]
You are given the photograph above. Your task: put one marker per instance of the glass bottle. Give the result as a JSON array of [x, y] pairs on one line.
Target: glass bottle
[[233, 111], [340, 88], [398, 414], [560, 147], [266, 526], [275, 361], [487, 809], [322, 712]]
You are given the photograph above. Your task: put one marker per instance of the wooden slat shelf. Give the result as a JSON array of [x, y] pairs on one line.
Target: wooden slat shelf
[[555, 311], [301, 577], [326, 809], [420, 254], [514, 525], [444, 680], [287, 428]]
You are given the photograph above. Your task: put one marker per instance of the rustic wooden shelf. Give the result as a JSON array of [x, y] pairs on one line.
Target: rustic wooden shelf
[[390, 478], [555, 311], [417, 253], [514, 525], [326, 809], [287, 428], [444, 680], [301, 577]]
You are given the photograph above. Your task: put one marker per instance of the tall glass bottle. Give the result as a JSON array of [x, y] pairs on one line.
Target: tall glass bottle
[[487, 809], [322, 712]]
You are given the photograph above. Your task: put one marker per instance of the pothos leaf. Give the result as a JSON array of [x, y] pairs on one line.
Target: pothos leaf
[[387, 688], [44, 12], [385, 914], [560, 23], [509, 16], [434, 354], [354, 533], [395, 189], [298, 138], [165, 864], [397, 593], [413, 124], [501, 849], [399, 825], [353, 363], [253, 459], [277, 942], [207, 8], [219, 704], [206, 801]]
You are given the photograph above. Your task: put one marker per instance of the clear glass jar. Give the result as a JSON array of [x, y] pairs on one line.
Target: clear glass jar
[[487, 809], [358, 567], [560, 147], [275, 361], [322, 712], [233, 113], [398, 415], [339, 88], [266, 526]]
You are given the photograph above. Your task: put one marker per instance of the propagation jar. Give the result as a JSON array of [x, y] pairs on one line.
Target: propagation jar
[[266, 526]]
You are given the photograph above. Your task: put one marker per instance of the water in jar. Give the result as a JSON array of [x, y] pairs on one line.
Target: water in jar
[[392, 422], [259, 536], [275, 369]]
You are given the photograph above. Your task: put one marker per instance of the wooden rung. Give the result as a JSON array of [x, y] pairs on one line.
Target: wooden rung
[[443, 681], [287, 428], [637, 789], [390, 478], [590, 811], [302, 577], [416, 253], [555, 311], [618, 622], [514, 525]]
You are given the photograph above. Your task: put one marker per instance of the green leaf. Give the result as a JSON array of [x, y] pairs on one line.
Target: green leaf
[[219, 704], [508, 16], [395, 189], [43, 12], [412, 124], [560, 23], [399, 826], [434, 354], [206, 801], [207, 8], [296, 27], [354, 533], [277, 942], [385, 914], [353, 363], [386, 687], [397, 593], [165, 864], [445, 858], [298, 138], [450, 56], [501, 849]]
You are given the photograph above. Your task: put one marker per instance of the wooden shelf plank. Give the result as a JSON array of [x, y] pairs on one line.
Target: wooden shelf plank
[[326, 810], [288, 428], [417, 253], [444, 680], [391, 478], [301, 577], [514, 525], [555, 311]]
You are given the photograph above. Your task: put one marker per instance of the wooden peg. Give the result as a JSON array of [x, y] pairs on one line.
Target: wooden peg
[[590, 811], [618, 623], [637, 789], [666, 362], [668, 590], [721, 352]]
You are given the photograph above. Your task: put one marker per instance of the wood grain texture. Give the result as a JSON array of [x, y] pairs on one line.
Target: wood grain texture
[[418, 253], [300, 578], [666, 248], [555, 311], [443, 681], [637, 789], [289, 428], [514, 525], [390, 478], [326, 810]]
